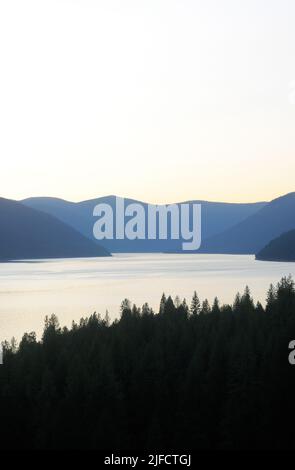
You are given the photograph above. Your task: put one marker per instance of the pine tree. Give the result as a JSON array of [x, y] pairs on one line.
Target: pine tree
[[125, 305], [195, 304], [185, 306], [259, 308], [215, 307], [162, 303], [107, 319], [271, 296], [205, 307], [177, 302], [135, 311], [169, 306], [125, 308], [237, 302], [146, 310]]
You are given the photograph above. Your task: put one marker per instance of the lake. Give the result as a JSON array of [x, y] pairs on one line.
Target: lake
[[74, 288]]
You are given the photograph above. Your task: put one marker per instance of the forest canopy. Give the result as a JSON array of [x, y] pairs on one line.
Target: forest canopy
[[191, 376]]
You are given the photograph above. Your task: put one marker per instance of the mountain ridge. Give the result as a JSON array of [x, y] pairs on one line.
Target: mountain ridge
[[27, 233], [79, 215], [253, 233], [281, 248]]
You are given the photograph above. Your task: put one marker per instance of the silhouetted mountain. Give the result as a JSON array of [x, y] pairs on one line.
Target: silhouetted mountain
[[216, 217], [279, 249], [253, 233], [30, 234]]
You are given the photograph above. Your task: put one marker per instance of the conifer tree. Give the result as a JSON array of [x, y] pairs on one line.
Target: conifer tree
[[162, 303], [195, 304], [205, 307]]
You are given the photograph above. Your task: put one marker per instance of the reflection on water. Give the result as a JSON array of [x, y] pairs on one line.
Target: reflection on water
[[78, 287]]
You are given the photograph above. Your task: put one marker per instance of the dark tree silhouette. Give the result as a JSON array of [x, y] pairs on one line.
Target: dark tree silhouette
[[188, 379]]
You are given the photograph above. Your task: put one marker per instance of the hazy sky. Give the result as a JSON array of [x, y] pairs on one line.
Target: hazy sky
[[160, 100]]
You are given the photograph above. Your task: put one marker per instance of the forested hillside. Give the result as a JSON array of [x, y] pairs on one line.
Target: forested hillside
[[255, 232], [279, 249], [30, 234], [195, 377]]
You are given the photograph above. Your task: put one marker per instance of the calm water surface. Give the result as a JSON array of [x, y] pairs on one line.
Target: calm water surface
[[75, 288]]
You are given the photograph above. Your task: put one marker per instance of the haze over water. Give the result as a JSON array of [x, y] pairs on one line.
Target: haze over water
[[74, 288]]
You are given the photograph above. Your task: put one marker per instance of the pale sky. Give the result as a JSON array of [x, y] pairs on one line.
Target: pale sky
[[160, 100]]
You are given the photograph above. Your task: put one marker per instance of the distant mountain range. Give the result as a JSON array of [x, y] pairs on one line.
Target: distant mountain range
[[216, 218], [279, 249], [53, 228], [256, 231], [26, 233]]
